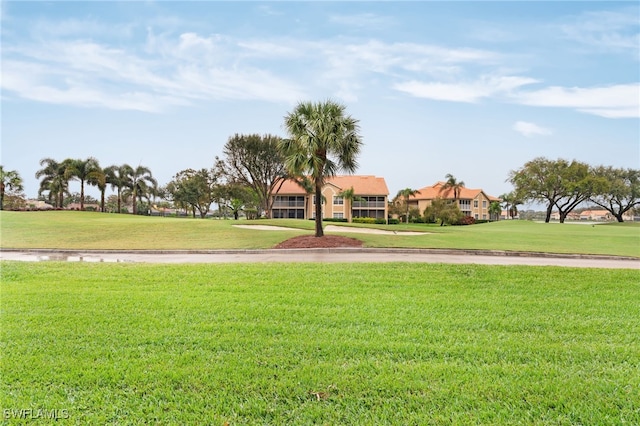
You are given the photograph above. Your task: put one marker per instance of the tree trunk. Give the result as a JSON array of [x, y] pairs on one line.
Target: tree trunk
[[135, 202], [619, 217], [548, 218], [319, 231], [81, 195], [119, 201], [563, 216]]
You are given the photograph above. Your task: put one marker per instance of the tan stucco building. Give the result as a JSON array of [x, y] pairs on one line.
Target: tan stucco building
[[472, 202], [291, 201]]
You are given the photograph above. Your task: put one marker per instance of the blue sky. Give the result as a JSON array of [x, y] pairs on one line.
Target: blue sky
[[474, 89]]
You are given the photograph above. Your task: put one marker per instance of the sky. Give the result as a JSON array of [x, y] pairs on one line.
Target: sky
[[474, 89]]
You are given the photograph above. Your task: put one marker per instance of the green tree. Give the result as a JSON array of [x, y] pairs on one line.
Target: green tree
[[236, 205], [452, 184], [617, 190], [349, 196], [257, 162], [495, 209], [55, 180], [141, 184], [559, 183], [511, 203], [405, 194], [84, 170], [99, 179], [11, 180], [118, 178], [194, 188], [323, 141], [444, 211]]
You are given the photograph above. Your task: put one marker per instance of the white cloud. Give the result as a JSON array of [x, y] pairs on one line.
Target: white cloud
[[616, 101], [173, 73], [530, 129], [618, 30], [474, 91]]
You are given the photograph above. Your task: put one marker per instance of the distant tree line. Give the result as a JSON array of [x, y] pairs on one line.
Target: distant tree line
[[322, 141], [564, 185]]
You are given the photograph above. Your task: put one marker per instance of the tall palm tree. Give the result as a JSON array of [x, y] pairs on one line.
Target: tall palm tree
[[141, 184], [84, 170], [405, 194], [323, 141], [350, 196], [55, 179], [452, 184], [99, 179], [9, 179], [118, 178]]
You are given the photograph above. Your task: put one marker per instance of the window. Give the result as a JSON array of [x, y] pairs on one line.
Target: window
[[484, 217], [476, 215], [475, 203], [338, 201], [484, 204], [338, 216]]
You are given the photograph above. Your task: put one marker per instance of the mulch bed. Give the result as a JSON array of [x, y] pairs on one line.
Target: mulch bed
[[327, 241]]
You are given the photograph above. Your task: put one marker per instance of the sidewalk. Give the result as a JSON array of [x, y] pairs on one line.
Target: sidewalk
[[338, 255]]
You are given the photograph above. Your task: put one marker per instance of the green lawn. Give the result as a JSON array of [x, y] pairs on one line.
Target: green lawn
[[87, 230], [321, 344]]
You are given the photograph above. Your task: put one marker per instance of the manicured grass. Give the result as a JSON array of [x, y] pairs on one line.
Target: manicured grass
[[90, 230], [86, 230], [321, 344]]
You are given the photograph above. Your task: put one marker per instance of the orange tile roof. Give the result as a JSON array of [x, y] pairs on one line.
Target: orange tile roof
[[434, 191], [362, 185]]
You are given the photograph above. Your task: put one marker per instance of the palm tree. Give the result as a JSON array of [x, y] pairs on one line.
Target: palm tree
[[452, 184], [495, 210], [118, 178], [323, 141], [84, 170], [55, 179], [99, 179], [406, 193], [141, 184], [11, 180], [511, 202], [350, 196]]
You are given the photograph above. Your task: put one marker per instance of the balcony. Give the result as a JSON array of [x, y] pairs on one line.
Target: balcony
[[287, 204]]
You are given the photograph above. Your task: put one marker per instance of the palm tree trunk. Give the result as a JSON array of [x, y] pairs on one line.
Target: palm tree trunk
[[319, 232], [81, 195], [134, 200]]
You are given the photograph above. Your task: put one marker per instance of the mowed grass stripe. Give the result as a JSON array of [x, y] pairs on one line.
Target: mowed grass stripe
[[100, 231], [321, 343]]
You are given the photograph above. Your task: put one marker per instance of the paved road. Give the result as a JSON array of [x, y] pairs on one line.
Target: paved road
[[345, 255]]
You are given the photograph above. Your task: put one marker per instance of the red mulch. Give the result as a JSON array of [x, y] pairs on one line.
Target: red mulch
[[327, 241]]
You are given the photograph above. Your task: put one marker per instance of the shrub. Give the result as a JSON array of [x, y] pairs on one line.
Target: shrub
[[467, 220], [363, 220], [393, 221], [380, 221], [334, 219]]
